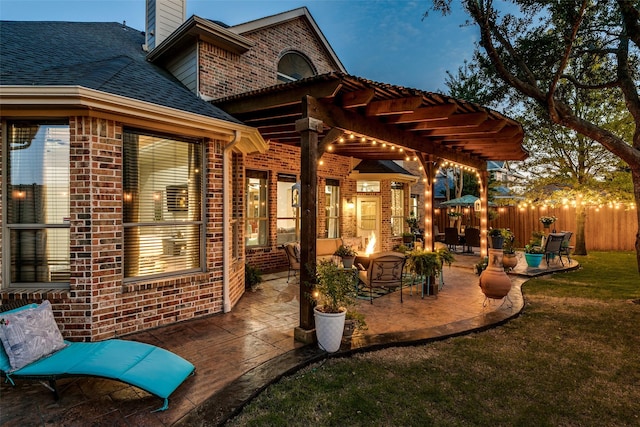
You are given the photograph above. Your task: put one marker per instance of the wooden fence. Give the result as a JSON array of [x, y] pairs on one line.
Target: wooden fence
[[605, 228]]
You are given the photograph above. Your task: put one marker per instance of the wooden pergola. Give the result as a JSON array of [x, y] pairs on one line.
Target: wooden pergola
[[315, 114]]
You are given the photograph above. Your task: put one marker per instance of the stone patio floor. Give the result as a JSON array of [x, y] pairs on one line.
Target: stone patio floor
[[239, 353]]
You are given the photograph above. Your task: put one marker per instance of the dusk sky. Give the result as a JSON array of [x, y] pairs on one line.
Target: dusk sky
[[385, 41]]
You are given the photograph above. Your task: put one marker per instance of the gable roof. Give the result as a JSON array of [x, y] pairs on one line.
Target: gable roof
[[106, 57], [287, 16]]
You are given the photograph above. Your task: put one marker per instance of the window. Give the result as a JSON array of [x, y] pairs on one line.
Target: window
[[294, 66], [257, 219], [162, 209], [288, 221], [413, 208], [368, 186], [37, 190], [332, 207], [397, 208]]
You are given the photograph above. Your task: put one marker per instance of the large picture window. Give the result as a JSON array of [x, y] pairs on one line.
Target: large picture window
[[257, 218], [162, 205], [332, 207], [288, 225], [37, 190]]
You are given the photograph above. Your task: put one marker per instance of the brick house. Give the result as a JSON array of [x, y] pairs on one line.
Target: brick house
[[142, 171]]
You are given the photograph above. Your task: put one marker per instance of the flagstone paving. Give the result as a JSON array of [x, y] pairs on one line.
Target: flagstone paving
[[238, 353]]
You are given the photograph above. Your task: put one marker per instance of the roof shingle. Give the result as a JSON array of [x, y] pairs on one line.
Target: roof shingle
[[97, 55]]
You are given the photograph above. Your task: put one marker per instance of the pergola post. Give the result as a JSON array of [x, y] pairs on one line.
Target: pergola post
[[308, 127], [428, 165], [484, 211]]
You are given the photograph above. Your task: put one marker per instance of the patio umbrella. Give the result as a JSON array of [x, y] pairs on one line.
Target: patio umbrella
[[465, 201]]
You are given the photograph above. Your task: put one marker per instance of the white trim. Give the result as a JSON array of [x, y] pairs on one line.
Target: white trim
[[78, 97]]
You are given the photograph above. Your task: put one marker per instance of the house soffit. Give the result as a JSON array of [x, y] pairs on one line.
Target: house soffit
[[43, 101], [380, 121]]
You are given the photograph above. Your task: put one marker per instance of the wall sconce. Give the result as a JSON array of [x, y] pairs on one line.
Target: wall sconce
[[350, 203]]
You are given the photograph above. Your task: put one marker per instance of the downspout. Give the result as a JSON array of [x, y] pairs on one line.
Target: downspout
[[226, 220]]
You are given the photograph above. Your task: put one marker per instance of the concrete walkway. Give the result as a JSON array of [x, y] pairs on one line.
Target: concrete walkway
[[239, 353]]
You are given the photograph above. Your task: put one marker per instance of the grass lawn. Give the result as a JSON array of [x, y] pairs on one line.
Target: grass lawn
[[571, 359]]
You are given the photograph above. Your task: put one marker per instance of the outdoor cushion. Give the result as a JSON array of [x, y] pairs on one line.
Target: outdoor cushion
[[30, 334], [150, 368], [5, 364], [145, 366]]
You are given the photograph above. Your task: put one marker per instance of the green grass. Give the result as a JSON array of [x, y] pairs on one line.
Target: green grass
[[571, 359], [603, 276]]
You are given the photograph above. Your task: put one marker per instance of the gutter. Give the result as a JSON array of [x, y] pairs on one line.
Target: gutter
[[226, 220]]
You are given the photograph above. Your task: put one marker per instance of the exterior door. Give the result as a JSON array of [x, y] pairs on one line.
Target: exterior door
[[368, 221]]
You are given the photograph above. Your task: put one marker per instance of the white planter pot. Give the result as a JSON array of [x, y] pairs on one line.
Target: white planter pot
[[329, 329]]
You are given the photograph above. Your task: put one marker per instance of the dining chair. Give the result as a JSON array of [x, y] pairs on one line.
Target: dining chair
[[451, 238], [472, 238]]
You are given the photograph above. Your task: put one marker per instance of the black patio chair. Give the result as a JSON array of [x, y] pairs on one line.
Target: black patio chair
[[553, 246], [566, 247], [451, 238], [472, 238]]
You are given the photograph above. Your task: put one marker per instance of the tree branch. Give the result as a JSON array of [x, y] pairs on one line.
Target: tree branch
[[553, 84]]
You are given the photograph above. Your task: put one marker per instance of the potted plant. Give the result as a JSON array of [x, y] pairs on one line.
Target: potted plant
[[348, 255], [453, 217], [533, 255], [547, 220], [496, 238], [509, 260], [333, 293], [413, 223], [533, 252], [252, 277], [354, 321], [407, 237], [425, 266]]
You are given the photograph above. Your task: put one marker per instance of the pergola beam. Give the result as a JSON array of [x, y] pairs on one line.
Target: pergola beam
[[434, 112], [348, 121]]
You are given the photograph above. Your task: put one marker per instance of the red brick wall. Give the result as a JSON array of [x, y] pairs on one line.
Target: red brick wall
[[223, 73], [282, 158], [98, 304]]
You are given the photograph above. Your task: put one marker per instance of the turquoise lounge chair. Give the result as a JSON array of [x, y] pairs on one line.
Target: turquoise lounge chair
[[145, 366]]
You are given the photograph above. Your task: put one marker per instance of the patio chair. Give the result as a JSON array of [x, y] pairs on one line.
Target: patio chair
[[451, 238], [33, 349], [472, 238], [384, 271], [566, 247], [292, 250], [553, 246], [437, 235]]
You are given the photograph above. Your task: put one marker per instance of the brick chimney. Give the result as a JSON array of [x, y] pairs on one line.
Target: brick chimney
[[163, 18]]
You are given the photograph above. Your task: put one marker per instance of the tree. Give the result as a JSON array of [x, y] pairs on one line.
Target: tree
[[552, 50], [566, 164]]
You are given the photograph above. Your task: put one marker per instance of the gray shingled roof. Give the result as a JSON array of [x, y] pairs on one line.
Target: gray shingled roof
[[98, 55], [381, 166]]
